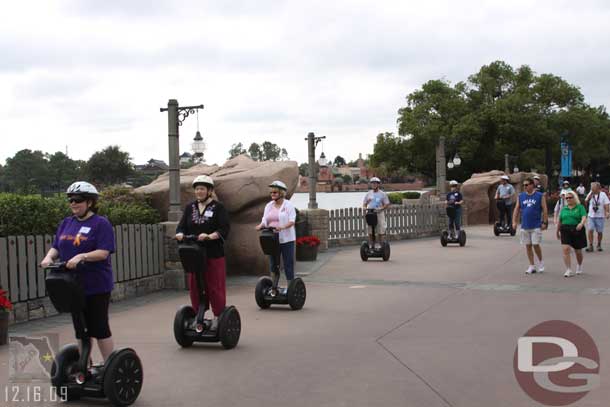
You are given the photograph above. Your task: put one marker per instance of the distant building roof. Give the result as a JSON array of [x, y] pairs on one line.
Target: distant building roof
[[185, 155]]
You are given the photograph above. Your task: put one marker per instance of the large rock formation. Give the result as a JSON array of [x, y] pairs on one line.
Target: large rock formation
[[241, 184], [479, 192]]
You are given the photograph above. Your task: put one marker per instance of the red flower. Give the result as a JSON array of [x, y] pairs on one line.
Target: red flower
[[5, 303], [308, 241]]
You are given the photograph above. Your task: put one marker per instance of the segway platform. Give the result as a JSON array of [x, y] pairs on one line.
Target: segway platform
[[376, 251], [190, 325], [119, 380], [267, 291]]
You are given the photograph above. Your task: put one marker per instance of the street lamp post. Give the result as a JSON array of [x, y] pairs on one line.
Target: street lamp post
[[175, 116], [440, 168], [312, 142]]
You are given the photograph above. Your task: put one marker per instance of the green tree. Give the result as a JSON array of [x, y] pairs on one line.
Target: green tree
[[109, 166], [255, 152], [236, 149], [304, 170], [27, 172], [499, 110], [271, 151], [62, 170], [339, 161]]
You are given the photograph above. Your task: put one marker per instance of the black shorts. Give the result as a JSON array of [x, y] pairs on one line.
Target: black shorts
[[96, 316], [577, 239]]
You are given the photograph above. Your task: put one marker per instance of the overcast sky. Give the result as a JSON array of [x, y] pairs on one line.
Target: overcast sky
[[86, 74]]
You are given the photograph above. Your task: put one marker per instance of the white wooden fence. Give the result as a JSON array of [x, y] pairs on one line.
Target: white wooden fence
[[139, 253], [349, 223]]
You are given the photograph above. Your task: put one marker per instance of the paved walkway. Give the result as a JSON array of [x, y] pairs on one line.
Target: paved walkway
[[432, 327]]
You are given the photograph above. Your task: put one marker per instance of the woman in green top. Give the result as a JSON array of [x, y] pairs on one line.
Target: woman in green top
[[571, 230]]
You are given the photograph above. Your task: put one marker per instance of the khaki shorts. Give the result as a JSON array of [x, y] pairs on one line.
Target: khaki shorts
[[531, 236], [380, 228]]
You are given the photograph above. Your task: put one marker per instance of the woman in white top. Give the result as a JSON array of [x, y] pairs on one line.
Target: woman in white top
[[281, 215]]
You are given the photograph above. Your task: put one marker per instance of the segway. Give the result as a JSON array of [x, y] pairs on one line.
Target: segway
[[190, 325], [119, 379], [267, 291], [449, 236], [503, 228], [367, 251]]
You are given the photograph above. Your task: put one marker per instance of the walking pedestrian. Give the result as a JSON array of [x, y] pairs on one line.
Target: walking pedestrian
[[531, 205], [571, 231], [599, 209]]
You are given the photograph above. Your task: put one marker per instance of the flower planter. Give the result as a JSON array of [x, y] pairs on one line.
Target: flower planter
[[307, 253], [3, 327]]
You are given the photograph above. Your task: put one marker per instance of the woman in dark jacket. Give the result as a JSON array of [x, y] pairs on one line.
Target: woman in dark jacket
[[207, 219]]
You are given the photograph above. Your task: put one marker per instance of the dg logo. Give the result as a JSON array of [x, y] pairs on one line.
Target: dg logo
[[556, 363]]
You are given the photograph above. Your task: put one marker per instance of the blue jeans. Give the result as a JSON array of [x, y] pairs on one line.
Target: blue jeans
[[457, 220], [287, 252]]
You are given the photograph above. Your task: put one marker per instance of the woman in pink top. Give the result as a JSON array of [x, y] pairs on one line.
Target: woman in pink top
[[281, 215]]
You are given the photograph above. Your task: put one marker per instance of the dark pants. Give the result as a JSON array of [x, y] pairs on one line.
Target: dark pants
[[456, 221], [96, 317], [505, 210], [287, 252]]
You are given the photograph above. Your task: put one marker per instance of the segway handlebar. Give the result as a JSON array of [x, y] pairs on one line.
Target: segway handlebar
[[57, 266]]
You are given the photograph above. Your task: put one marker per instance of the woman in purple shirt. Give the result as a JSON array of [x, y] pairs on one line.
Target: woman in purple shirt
[[86, 240]]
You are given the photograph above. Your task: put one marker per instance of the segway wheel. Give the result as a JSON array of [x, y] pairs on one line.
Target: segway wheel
[[185, 314], [513, 232], [229, 327], [386, 251], [496, 230], [62, 366], [296, 294], [123, 378], [444, 238], [263, 285], [364, 251], [462, 238]]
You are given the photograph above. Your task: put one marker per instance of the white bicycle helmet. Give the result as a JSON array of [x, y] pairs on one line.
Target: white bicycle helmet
[[203, 180], [453, 182], [375, 179], [278, 184], [82, 188], [506, 177]]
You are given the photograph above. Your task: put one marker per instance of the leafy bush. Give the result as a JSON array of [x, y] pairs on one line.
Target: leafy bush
[[411, 195], [35, 215], [395, 198], [30, 214]]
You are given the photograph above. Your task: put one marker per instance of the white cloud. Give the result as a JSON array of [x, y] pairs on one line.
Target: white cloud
[[88, 74]]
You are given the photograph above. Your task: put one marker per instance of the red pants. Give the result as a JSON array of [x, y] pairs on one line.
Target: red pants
[[215, 278]]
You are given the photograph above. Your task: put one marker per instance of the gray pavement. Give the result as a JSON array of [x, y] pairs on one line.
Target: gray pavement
[[431, 327]]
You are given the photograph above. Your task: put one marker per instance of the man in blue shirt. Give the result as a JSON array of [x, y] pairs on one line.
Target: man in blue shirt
[[534, 219], [455, 200]]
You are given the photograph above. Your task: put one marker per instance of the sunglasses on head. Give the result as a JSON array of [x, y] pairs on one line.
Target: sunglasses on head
[[76, 200]]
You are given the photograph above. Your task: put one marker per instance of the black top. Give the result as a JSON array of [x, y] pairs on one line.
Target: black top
[[214, 218], [540, 188]]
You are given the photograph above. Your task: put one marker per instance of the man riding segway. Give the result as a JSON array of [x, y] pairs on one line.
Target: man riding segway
[[504, 202], [454, 234], [375, 202]]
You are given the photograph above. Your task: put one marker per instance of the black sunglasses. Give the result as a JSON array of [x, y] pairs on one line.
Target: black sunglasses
[[525, 184], [76, 200]]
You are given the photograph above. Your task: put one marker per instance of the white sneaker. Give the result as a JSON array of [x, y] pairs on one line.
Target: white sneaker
[[214, 326], [540, 267], [568, 273], [578, 270], [530, 270]]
